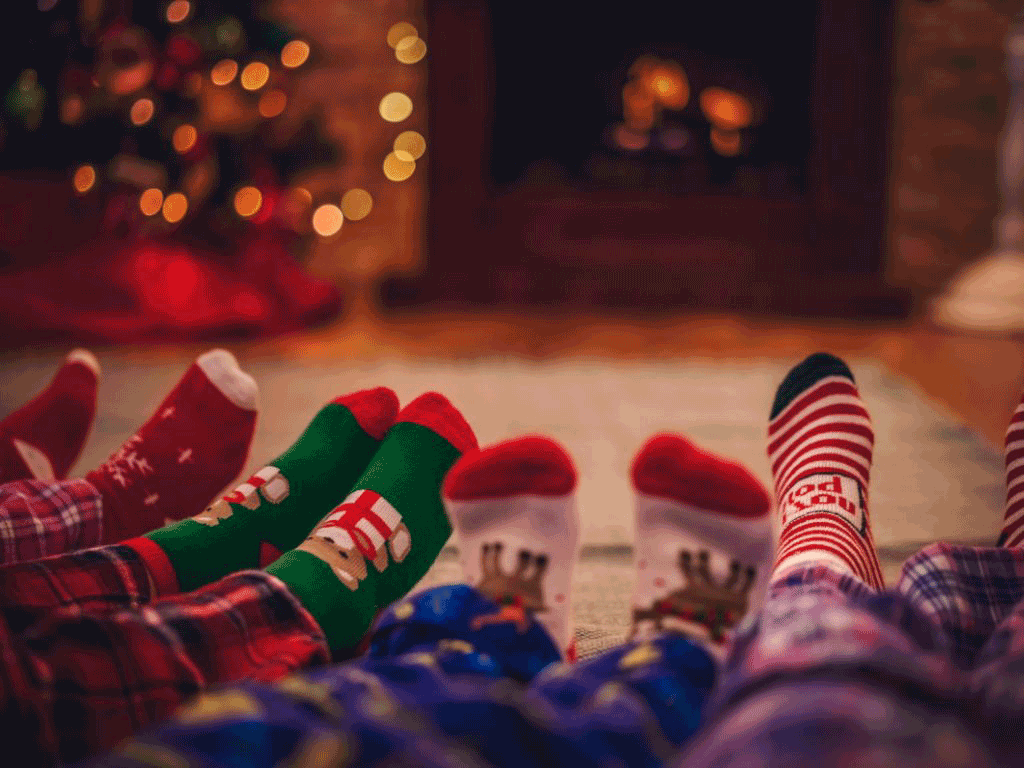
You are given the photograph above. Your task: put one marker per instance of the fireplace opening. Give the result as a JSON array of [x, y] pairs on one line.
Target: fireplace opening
[[687, 98]]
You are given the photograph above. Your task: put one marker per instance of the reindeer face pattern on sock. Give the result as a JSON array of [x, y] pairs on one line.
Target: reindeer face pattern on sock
[[267, 484], [702, 600], [520, 594], [364, 527]]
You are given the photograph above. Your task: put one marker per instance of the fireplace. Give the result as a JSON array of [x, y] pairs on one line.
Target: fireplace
[[719, 155]]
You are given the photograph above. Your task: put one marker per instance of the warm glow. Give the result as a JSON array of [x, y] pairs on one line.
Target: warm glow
[[356, 204], [411, 142], [184, 138], [224, 71], [397, 168], [178, 11], [71, 110], [725, 143], [255, 75], [175, 207], [248, 201], [150, 201], [142, 111], [628, 139], [294, 54], [410, 50], [395, 107], [400, 31], [193, 84], [726, 109], [84, 178], [272, 103], [669, 85], [327, 220], [637, 107]]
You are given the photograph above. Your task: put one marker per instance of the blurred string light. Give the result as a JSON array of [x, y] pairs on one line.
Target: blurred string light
[[398, 168], [178, 11], [272, 103], [142, 111], [411, 143], [410, 49], [84, 178], [224, 71], [726, 143], [395, 107], [248, 201], [356, 204], [175, 207], [629, 139], [184, 138], [71, 110], [151, 201], [294, 54], [327, 220], [255, 75], [726, 109], [399, 32]]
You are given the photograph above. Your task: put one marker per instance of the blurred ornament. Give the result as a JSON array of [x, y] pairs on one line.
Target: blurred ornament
[[126, 59]]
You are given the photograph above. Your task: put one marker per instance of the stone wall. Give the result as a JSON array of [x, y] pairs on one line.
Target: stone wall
[[950, 97]]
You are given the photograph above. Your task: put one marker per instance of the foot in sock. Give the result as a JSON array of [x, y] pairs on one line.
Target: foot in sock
[[195, 443], [43, 438], [703, 548], [513, 508], [276, 508], [374, 546], [820, 444], [1013, 521]]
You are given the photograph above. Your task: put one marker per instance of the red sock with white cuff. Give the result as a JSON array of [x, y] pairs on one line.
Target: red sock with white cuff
[[196, 442]]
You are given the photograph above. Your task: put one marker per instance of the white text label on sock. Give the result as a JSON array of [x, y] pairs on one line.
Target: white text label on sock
[[830, 493]]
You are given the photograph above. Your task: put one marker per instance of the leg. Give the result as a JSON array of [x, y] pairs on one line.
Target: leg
[[40, 519]]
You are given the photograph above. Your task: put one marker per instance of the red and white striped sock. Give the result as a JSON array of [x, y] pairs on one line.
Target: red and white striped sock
[[1012, 534], [820, 443], [704, 545], [513, 507]]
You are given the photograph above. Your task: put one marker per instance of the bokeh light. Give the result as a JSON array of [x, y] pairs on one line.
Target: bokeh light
[[272, 103], [411, 142], [397, 168], [327, 220], [224, 71], [184, 138], [356, 204], [726, 143], [151, 201], [71, 110], [626, 138], [295, 53], [142, 111], [410, 49], [255, 75], [727, 110], [395, 107], [398, 32], [84, 178], [175, 207], [669, 85], [178, 11], [248, 201]]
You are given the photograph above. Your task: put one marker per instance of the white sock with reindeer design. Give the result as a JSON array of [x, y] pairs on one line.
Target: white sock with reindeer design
[[704, 546], [513, 508]]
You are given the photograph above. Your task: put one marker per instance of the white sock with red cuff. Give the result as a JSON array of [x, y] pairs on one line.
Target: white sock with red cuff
[[820, 445], [704, 544], [514, 510], [195, 443]]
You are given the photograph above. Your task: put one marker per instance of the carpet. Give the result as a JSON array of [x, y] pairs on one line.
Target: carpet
[[933, 478]]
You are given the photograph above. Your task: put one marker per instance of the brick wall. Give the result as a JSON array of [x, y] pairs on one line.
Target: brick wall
[[950, 97]]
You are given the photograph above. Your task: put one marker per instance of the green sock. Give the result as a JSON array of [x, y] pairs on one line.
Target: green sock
[[373, 548], [276, 508]]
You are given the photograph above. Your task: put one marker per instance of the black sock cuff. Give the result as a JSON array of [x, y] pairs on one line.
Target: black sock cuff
[[803, 376]]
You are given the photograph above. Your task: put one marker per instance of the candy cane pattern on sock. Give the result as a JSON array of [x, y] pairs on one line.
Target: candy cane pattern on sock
[[820, 446], [1013, 521]]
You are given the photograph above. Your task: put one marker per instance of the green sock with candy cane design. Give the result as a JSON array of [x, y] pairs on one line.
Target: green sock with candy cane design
[[276, 508], [372, 549]]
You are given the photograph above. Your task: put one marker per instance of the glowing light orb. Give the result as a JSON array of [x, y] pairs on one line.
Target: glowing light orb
[[272, 103], [84, 178], [725, 109], [411, 142], [410, 50], [327, 220], [142, 111], [398, 169], [184, 138], [395, 107], [175, 207], [224, 71], [178, 11], [255, 75], [248, 201], [398, 32], [151, 201], [356, 204], [294, 54], [725, 143]]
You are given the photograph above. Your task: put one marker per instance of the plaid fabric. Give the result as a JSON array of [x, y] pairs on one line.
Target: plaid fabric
[[91, 581], [75, 683], [39, 519]]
